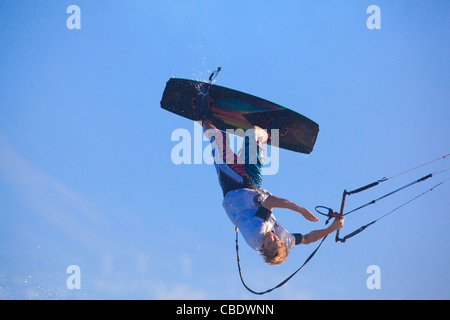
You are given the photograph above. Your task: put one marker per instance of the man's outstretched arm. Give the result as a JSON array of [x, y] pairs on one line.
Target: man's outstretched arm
[[277, 202], [316, 235]]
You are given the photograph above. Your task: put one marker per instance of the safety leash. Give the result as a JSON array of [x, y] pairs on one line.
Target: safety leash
[[282, 283]]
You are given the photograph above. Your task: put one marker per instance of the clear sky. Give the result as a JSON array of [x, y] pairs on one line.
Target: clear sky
[[87, 178]]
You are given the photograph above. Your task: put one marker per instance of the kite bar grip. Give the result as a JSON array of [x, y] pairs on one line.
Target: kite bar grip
[[341, 214], [371, 185]]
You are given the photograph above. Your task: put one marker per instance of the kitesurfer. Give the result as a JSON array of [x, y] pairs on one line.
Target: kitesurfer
[[248, 206]]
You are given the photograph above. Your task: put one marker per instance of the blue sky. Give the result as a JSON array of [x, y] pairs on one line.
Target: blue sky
[[86, 174]]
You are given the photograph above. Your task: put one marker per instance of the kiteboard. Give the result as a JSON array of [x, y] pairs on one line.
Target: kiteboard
[[231, 109]]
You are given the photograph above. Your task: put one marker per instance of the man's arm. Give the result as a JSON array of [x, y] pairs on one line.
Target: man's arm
[[277, 202], [316, 235]]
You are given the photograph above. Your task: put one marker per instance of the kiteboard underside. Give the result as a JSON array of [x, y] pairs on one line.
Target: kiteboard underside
[[232, 109]]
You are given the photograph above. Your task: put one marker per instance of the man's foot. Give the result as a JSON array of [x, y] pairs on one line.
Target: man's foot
[[279, 123]]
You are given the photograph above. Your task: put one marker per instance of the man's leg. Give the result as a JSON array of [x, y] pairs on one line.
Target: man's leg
[[221, 144], [230, 168], [254, 153]]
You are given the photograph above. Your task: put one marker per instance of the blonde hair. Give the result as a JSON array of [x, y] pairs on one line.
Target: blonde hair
[[276, 256]]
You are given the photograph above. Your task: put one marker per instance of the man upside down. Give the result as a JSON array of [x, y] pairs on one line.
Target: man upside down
[[248, 206]]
